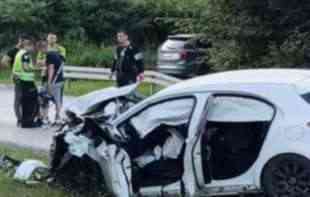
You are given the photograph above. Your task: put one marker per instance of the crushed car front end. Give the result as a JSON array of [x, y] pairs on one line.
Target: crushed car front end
[[82, 144]]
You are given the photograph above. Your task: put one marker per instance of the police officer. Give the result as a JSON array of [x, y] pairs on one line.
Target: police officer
[[8, 61], [23, 73], [128, 61]]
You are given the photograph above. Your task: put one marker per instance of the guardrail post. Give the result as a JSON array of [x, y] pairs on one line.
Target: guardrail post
[[69, 83]]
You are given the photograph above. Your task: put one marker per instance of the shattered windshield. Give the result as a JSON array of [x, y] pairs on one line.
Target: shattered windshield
[[174, 112]]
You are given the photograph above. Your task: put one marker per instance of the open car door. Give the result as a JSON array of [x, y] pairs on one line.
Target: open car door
[[194, 176]]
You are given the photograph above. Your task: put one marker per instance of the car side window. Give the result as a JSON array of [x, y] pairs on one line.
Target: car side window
[[239, 109]]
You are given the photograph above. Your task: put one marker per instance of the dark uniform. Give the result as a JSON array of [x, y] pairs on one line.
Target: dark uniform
[[128, 64], [12, 53]]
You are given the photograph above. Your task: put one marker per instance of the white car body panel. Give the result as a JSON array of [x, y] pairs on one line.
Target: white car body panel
[[80, 105]]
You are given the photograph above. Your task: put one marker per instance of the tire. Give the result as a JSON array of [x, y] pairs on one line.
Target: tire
[[287, 175]]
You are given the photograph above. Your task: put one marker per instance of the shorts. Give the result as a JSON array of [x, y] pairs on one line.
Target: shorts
[[56, 97], [57, 93]]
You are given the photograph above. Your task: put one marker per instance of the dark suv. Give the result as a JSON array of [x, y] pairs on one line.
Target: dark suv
[[183, 55]]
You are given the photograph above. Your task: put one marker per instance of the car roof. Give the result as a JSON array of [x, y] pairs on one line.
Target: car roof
[[183, 36], [247, 76]]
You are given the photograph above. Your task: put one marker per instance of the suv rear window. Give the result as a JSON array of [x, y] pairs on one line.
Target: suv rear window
[[173, 44]]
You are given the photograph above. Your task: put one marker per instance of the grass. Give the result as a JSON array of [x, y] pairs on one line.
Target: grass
[[11, 188], [81, 87], [21, 153], [5, 76]]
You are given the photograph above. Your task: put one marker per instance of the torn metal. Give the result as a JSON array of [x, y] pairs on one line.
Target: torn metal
[[152, 141]]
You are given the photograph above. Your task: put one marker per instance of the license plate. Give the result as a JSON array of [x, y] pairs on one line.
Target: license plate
[[170, 56]]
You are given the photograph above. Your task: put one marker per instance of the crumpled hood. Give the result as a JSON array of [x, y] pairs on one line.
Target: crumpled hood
[[81, 104]]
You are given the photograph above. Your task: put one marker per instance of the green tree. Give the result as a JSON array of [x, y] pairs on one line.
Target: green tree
[[247, 34]]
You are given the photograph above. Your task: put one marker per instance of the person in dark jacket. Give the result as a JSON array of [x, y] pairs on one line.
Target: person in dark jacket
[[128, 63], [8, 59]]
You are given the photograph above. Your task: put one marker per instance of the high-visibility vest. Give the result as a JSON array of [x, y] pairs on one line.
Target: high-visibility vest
[[41, 56], [60, 49], [18, 69]]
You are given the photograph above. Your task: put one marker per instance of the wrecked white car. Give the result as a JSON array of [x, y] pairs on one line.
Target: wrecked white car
[[235, 132]]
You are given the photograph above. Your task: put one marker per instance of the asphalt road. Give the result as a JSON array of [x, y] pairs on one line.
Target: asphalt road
[[38, 139]]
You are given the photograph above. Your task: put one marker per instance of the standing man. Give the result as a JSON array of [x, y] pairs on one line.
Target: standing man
[[53, 45], [24, 77], [8, 61], [55, 80], [128, 61]]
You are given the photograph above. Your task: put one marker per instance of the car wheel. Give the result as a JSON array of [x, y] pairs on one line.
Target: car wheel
[[287, 175]]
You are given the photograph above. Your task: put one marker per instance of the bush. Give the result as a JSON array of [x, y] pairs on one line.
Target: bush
[[150, 58], [289, 54], [80, 53]]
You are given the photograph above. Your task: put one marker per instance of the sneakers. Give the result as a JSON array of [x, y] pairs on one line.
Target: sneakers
[[36, 124], [19, 124], [46, 124], [58, 122]]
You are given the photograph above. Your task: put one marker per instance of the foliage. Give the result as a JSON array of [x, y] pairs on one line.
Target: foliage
[[244, 34], [247, 34], [164, 17], [5, 75], [88, 54], [94, 20]]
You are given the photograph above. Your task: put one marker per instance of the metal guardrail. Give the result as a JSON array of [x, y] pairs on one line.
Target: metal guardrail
[[75, 72]]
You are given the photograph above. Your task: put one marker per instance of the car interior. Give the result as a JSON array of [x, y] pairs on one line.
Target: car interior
[[155, 142], [229, 149], [161, 171], [233, 136]]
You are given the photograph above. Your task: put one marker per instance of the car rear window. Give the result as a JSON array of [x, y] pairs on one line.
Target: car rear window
[[173, 44]]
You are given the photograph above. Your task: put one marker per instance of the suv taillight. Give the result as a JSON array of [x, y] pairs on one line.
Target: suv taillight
[[184, 55]]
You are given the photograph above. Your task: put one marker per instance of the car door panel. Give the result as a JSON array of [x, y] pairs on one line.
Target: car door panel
[[193, 174], [117, 171]]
